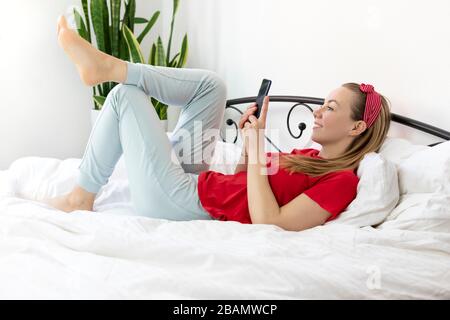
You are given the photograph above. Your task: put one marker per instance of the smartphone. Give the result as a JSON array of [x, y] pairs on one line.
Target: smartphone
[[263, 91]]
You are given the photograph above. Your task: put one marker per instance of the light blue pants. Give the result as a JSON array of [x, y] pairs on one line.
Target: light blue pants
[[163, 183]]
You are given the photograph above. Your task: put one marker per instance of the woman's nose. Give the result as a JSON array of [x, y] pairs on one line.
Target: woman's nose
[[317, 112]]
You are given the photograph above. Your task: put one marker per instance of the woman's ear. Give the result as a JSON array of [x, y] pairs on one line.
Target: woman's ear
[[358, 128]]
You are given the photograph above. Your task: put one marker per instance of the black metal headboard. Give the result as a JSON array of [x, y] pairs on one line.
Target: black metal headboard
[[233, 114]]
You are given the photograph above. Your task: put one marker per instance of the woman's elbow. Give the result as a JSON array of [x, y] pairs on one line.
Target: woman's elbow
[[289, 225], [267, 218]]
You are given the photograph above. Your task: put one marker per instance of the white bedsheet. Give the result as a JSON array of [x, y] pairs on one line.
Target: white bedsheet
[[114, 254]]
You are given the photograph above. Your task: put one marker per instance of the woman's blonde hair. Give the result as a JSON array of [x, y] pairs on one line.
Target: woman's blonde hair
[[368, 141]]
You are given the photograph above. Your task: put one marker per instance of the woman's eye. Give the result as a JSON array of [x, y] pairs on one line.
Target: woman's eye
[[330, 108]]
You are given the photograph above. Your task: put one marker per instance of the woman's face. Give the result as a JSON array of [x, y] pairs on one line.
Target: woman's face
[[332, 121]]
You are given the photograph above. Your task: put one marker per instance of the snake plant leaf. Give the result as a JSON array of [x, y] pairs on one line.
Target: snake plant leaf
[[139, 20], [100, 90], [124, 53], [106, 28], [131, 14], [81, 27], [163, 111], [160, 55], [99, 100], [156, 104], [115, 26], [97, 23], [174, 12], [174, 61], [94, 93], [149, 26], [133, 45], [175, 6], [184, 52], [97, 14], [86, 17], [152, 58], [125, 15], [107, 33], [160, 108]]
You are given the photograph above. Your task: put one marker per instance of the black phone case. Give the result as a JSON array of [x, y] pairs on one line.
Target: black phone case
[[263, 91]]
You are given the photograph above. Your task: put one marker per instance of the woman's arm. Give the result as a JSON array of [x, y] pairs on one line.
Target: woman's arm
[[262, 204], [300, 213], [243, 161]]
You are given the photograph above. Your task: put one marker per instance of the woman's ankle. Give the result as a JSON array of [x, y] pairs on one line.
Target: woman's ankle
[[118, 70], [79, 196]]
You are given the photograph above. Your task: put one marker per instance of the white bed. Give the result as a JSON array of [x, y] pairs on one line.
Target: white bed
[[115, 254], [391, 243]]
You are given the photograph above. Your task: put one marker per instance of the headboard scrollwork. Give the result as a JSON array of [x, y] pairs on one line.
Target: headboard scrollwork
[[297, 130]]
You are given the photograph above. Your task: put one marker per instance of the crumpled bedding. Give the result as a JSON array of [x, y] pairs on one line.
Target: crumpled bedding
[[114, 254]]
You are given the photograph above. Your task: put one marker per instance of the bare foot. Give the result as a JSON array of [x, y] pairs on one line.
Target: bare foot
[[92, 64], [67, 204]]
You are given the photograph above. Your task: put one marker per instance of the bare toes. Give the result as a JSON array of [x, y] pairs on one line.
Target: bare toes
[[62, 22]]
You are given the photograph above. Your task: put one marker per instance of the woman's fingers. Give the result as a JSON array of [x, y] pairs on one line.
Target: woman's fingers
[[244, 118], [242, 122], [250, 110], [252, 119], [246, 115]]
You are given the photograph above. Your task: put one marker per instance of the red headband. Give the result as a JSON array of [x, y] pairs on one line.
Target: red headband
[[373, 104]]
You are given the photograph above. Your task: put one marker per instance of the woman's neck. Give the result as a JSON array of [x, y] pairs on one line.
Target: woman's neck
[[334, 150]]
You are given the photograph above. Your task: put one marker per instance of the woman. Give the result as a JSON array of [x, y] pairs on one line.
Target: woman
[[307, 187]]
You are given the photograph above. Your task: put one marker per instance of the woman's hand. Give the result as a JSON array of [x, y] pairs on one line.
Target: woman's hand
[[252, 127]]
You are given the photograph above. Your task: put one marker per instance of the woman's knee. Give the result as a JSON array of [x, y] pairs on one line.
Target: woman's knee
[[123, 93], [123, 90], [218, 84]]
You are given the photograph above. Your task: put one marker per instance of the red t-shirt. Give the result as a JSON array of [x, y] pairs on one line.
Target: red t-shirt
[[224, 196]]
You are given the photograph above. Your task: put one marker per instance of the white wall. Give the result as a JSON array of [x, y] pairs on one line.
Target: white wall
[[305, 47], [44, 107], [311, 47]]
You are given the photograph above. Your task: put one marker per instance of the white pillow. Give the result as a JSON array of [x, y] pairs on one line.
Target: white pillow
[[398, 149], [424, 182], [377, 192], [420, 168], [427, 170], [420, 212]]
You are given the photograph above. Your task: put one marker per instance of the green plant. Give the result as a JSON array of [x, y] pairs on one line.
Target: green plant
[[158, 57], [116, 37]]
